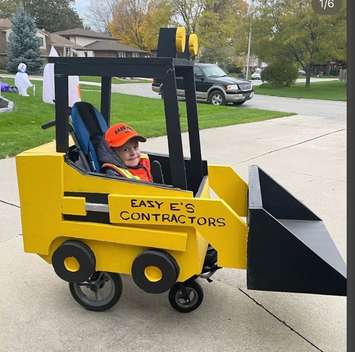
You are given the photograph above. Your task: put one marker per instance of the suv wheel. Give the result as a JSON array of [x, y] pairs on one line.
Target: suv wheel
[[216, 98]]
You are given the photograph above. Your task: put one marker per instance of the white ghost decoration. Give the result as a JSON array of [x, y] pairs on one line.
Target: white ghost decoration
[[48, 83], [22, 82]]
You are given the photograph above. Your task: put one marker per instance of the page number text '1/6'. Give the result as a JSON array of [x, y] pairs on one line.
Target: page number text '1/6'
[[327, 7]]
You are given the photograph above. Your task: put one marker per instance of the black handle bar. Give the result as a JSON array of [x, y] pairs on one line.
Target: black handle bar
[[48, 124]]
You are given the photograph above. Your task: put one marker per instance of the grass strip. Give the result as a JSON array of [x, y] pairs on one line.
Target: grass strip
[[328, 90], [20, 129], [115, 80]]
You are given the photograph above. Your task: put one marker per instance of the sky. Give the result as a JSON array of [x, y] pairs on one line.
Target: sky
[[81, 7]]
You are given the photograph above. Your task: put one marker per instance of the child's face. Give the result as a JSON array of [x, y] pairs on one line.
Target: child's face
[[129, 153]]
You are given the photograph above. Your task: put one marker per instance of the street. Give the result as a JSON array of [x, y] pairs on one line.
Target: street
[[308, 107]]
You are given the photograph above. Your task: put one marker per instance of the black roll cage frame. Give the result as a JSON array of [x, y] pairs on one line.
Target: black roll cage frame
[[164, 69]]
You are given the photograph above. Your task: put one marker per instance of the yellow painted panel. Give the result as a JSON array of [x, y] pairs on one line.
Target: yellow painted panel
[[75, 181], [73, 205], [229, 186], [204, 189], [118, 258], [40, 188], [144, 216], [111, 257], [213, 219], [136, 236], [44, 149]]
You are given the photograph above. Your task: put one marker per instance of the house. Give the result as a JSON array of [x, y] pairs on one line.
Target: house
[[72, 42], [95, 44], [63, 46]]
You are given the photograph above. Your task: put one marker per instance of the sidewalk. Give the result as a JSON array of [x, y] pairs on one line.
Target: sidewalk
[[305, 154]]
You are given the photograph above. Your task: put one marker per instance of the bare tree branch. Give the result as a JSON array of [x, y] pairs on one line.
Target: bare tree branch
[[100, 14]]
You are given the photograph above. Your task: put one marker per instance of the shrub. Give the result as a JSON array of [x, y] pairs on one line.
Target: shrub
[[280, 74], [23, 44], [233, 68]]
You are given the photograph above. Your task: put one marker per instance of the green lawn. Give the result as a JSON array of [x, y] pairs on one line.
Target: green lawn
[[115, 80], [89, 87], [329, 90], [20, 129]]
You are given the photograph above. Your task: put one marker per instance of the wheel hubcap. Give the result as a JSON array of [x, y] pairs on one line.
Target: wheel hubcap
[[186, 299], [153, 273], [216, 99], [97, 291], [71, 264]]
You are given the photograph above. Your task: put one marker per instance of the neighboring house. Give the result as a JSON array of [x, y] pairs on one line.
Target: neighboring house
[[72, 42], [329, 68], [95, 44], [63, 46]]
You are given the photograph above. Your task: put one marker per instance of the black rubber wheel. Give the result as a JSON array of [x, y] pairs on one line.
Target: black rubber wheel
[[155, 271], [217, 98], [100, 292], [186, 297], [74, 261]]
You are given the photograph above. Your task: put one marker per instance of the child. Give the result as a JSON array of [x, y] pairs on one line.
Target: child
[[123, 140]]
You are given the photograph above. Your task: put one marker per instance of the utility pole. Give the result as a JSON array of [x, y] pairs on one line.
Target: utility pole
[[250, 13]]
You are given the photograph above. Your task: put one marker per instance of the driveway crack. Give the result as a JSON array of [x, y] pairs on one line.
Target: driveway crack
[[280, 320], [290, 146], [11, 204]]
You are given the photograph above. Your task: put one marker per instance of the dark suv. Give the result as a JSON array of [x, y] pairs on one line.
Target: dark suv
[[214, 86]]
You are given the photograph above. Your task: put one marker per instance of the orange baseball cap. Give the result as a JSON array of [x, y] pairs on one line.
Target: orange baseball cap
[[120, 133]]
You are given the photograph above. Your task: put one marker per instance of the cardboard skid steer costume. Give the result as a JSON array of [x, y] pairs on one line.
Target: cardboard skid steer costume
[[165, 234]]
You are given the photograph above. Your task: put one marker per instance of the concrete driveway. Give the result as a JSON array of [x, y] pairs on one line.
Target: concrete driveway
[[305, 153]]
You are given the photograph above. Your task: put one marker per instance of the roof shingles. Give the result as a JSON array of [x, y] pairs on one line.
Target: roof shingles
[[110, 45], [84, 33], [5, 23]]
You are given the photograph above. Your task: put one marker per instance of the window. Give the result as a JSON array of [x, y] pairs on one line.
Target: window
[[41, 42], [197, 71], [213, 71]]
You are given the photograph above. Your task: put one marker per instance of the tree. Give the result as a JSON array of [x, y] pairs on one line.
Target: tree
[[100, 14], [290, 30], [23, 44], [137, 22], [222, 33], [158, 15], [280, 74], [51, 15], [7, 8], [188, 13]]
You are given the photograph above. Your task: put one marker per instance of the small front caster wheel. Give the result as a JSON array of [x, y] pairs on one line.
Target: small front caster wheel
[[186, 297], [100, 292]]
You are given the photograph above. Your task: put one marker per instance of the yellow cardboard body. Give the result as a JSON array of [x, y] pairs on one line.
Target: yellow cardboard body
[[46, 185]]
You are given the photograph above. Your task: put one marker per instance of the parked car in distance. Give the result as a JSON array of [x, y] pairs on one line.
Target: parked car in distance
[[256, 76], [214, 86]]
